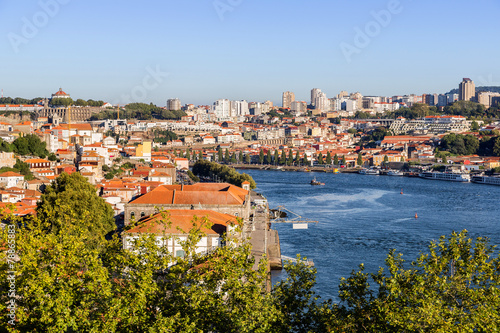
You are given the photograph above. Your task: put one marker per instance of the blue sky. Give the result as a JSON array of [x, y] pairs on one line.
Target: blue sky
[[244, 49]]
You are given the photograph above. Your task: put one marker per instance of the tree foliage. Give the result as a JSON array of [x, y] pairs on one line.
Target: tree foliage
[[141, 111], [460, 144], [227, 174], [72, 198], [30, 145], [452, 288]]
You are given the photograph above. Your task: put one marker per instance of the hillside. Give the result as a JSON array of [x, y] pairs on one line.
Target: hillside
[[479, 89]]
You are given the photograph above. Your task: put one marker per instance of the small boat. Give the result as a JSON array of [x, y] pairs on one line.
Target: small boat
[[395, 173], [315, 182], [369, 172], [416, 216], [336, 171]]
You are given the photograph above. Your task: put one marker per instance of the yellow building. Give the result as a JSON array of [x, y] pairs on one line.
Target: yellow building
[[143, 151]]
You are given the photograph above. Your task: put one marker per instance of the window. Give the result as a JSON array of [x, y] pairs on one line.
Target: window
[[143, 214], [180, 253], [132, 215]]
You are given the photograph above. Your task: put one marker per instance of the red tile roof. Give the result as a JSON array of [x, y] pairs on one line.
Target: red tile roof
[[201, 193], [183, 219]]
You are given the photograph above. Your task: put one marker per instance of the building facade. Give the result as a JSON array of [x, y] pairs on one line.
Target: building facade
[[466, 90]]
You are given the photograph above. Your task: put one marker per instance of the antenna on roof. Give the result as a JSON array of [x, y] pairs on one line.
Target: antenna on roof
[[199, 205]]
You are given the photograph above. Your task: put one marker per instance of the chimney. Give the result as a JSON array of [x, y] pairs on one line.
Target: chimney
[[173, 198]]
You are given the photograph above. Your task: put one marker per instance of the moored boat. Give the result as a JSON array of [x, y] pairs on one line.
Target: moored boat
[[395, 173], [449, 176], [489, 180], [369, 172]]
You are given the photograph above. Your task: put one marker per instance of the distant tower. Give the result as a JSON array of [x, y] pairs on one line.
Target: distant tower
[[174, 104], [288, 99], [466, 90]]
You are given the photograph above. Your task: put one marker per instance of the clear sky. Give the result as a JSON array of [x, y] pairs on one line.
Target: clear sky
[[203, 50]]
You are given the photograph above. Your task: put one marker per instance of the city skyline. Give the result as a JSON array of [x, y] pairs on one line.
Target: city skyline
[[243, 50]]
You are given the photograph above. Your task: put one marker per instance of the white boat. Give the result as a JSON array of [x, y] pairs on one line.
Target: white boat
[[369, 172], [395, 173], [490, 180], [449, 176]]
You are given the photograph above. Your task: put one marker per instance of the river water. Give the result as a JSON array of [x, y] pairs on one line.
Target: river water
[[362, 217]]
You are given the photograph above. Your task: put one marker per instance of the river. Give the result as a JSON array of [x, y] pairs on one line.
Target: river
[[361, 217]]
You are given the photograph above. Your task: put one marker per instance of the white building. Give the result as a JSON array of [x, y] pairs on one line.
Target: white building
[[222, 109], [11, 179], [239, 108]]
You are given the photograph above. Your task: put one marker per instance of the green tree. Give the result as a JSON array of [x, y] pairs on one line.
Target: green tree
[[200, 156], [496, 147], [188, 155], [359, 161], [227, 158], [336, 160], [452, 288], [30, 145], [329, 158], [297, 158], [276, 156], [61, 102], [81, 102], [219, 155], [283, 157], [24, 169], [290, 157], [474, 126], [233, 158], [320, 159], [52, 157], [386, 159], [305, 161], [248, 158], [261, 156], [344, 162], [117, 290], [73, 198], [240, 157], [269, 158]]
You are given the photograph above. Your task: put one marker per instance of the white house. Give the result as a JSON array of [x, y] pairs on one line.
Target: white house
[[11, 179], [169, 235]]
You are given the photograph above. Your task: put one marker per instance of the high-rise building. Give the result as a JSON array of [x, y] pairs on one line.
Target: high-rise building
[[222, 109], [239, 108], [322, 103], [442, 100], [174, 104], [288, 98], [486, 98], [466, 90], [314, 95], [299, 107]]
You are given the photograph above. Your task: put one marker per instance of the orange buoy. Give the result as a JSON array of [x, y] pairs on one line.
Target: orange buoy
[[401, 191], [416, 216]]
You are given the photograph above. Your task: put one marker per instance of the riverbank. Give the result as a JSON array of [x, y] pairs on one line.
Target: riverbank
[[329, 169]]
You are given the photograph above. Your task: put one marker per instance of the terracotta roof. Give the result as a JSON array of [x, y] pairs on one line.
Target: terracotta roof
[[36, 160], [10, 174], [201, 193], [182, 218]]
